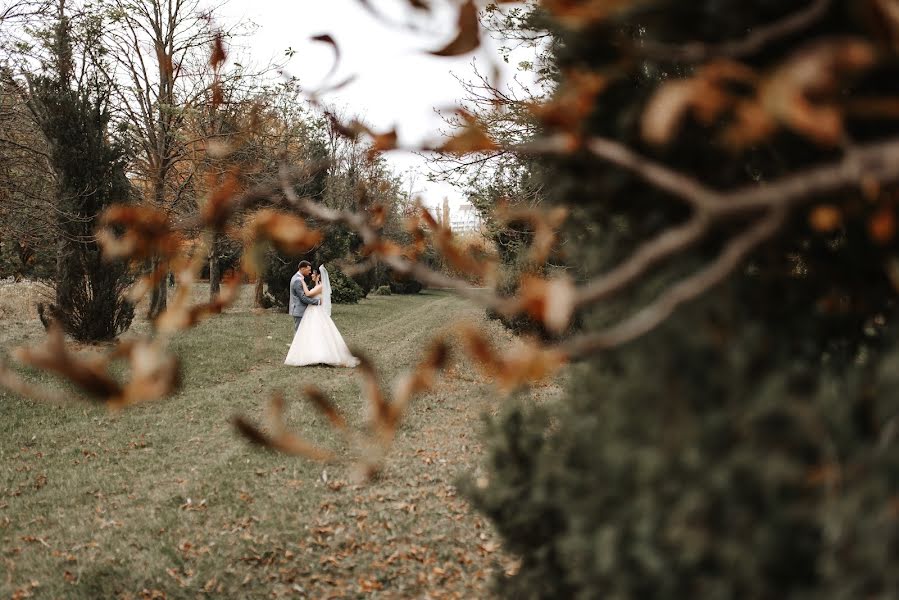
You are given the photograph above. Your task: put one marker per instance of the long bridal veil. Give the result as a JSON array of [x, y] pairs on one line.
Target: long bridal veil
[[326, 290]]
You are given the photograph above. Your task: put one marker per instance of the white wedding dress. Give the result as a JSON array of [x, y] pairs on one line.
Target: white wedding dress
[[317, 340]]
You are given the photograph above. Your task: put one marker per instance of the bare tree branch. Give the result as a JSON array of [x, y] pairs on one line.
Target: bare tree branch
[[756, 40], [688, 289]]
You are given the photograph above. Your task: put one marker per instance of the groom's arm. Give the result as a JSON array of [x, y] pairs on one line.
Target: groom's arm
[[298, 290]]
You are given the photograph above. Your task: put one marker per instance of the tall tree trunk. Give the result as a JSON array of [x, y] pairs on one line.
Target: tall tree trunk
[[159, 294], [62, 249], [258, 292], [215, 268]]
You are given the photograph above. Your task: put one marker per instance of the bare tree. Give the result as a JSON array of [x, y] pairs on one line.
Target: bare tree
[[161, 49]]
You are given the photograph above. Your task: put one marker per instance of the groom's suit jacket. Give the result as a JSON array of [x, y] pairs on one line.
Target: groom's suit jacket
[[298, 299]]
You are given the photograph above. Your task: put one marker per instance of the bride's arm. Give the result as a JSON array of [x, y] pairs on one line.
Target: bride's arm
[[314, 291]]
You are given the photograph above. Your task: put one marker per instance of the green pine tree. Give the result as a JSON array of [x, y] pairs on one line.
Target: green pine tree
[[90, 173], [747, 448]]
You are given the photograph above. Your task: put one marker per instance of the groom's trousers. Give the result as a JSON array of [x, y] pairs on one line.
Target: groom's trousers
[[296, 323]]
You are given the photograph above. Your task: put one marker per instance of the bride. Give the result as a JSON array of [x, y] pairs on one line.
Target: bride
[[317, 340]]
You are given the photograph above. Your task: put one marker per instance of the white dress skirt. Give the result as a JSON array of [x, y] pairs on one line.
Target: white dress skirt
[[318, 342]]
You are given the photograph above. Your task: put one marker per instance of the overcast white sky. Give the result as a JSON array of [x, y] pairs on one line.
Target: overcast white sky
[[398, 84]]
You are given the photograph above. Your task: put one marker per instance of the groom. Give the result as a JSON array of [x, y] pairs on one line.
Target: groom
[[298, 299]]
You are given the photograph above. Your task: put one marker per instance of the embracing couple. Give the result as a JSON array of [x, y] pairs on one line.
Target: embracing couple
[[316, 340]]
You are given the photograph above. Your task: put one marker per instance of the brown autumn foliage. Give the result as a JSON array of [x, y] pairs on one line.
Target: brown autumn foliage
[[801, 95]]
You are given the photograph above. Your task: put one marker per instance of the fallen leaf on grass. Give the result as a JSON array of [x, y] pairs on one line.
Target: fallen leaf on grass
[[34, 540], [26, 591], [369, 585]]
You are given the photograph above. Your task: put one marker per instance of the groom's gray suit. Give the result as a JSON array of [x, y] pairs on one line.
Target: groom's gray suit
[[298, 300]]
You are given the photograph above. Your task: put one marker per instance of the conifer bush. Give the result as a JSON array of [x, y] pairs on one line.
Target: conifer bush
[[748, 447], [89, 166]]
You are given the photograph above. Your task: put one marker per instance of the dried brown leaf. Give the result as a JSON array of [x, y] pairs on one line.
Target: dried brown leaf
[[420, 380], [572, 103], [351, 131], [17, 385], [544, 223], [181, 315], [882, 21], [523, 365], [286, 442], [882, 226], [704, 96], [382, 247], [153, 373], [472, 137], [469, 36], [382, 142], [146, 232], [378, 215], [459, 257], [750, 125], [324, 406], [549, 301], [327, 39], [221, 202], [825, 218], [803, 92], [288, 233], [371, 389], [218, 55], [87, 373]]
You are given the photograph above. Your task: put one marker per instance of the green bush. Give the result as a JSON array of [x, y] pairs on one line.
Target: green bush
[[90, 169], [384, 290], [405, 287], [683, 474], [279, 269], [748, 448], [343, 289]]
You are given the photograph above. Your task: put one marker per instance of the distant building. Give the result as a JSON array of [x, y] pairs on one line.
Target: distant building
[[465, 218]]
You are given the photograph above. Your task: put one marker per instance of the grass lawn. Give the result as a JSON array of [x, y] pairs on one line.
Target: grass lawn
[[164, 500]]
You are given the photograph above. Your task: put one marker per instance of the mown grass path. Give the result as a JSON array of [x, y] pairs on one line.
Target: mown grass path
[[163, 500]]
